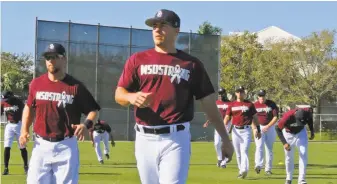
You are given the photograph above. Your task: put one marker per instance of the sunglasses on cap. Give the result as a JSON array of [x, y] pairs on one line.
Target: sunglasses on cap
[[52, 57]]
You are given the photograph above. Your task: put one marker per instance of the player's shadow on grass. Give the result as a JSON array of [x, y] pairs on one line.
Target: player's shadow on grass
[[115, 174], [295, 176]]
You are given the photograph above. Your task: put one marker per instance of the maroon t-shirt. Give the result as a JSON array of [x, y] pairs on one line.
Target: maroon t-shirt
[[288, 121], [241, 112], [12, 107], [266, 111], [58, 105], [222, 106], [174, 79]]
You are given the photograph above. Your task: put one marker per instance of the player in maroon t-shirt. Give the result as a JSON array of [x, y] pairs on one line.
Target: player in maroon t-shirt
[[58, 101], [267, 112], [242, 112], [12, 107], [162, 83], [292, 133], [101, 131], [222, 104]]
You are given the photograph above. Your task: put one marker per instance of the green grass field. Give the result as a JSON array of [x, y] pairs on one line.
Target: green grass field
[[121, 168]]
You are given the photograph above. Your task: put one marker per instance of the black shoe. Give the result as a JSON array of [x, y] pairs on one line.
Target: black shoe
[[101, 162], [269, 173], [302, 182], [223, 166], [26, 169], [288, 182], [107, 156], [258, 169], [6, 171], [219, 163]]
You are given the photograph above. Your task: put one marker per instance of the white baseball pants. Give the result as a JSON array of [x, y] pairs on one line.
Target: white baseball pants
[[98, 137], [267, 140], [241, 139], [299, 140], [12, 131], [164, 158], [217, 144], [54, 162]]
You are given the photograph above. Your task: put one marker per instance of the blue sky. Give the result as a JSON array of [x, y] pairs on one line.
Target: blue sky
[[298, 18]]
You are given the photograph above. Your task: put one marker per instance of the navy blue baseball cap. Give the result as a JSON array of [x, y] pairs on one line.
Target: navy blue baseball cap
[[166, 16], [261, 92], [302, 115], [54, 48], [7, 94], [239, 89]]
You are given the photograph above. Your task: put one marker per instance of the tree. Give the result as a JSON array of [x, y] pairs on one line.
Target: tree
[[16, 72], [315, 60], [240, 57], [206, 28]]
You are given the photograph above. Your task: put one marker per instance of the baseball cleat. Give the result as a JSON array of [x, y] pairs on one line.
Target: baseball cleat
[[242, 175], [5, 171], [219, 163], [223, 166], [258, 169], [101, 162], [26, 169], [288, 182], [107, 156], [269, 173], [302, 182]]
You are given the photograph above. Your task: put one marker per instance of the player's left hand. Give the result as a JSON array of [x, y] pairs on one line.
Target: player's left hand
[[312, 136], [258, 135], [79, 131], [265, 129], [113, 144]]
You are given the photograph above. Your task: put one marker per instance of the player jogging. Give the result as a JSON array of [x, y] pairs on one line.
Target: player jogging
[[162, 84], [267, 112], [101, 132], [242, 113], [12, 107], [292, 133], [222, 104], [58, 100]]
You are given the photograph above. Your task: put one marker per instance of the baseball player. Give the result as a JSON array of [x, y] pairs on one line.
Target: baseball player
[[101, 132], [242, 112], [58, 100], [12, 107], [292, 133], [162, 84], [222, 104], [267, 113]]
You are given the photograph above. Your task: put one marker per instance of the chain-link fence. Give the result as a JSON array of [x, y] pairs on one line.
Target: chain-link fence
[[96, 56]]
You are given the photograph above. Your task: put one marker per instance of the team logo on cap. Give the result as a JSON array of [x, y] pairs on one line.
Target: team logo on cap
[[51, 46], [159, 14]]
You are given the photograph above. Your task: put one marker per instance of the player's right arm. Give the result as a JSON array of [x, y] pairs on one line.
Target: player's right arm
[[91, 132], [279, 129], [27, 116], [203, 91], [127, 91]]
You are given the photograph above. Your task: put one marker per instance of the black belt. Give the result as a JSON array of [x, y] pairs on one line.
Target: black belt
[[242, 127], [164, 130], [54, 139]]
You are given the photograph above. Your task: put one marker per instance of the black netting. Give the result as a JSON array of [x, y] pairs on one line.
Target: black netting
[[97, 54]]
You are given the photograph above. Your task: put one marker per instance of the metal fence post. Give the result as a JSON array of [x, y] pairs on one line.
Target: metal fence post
[[320, 126], [128, 111], [219, 62], [189, 42], [96, 64], [68, 48], [36, 56]]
